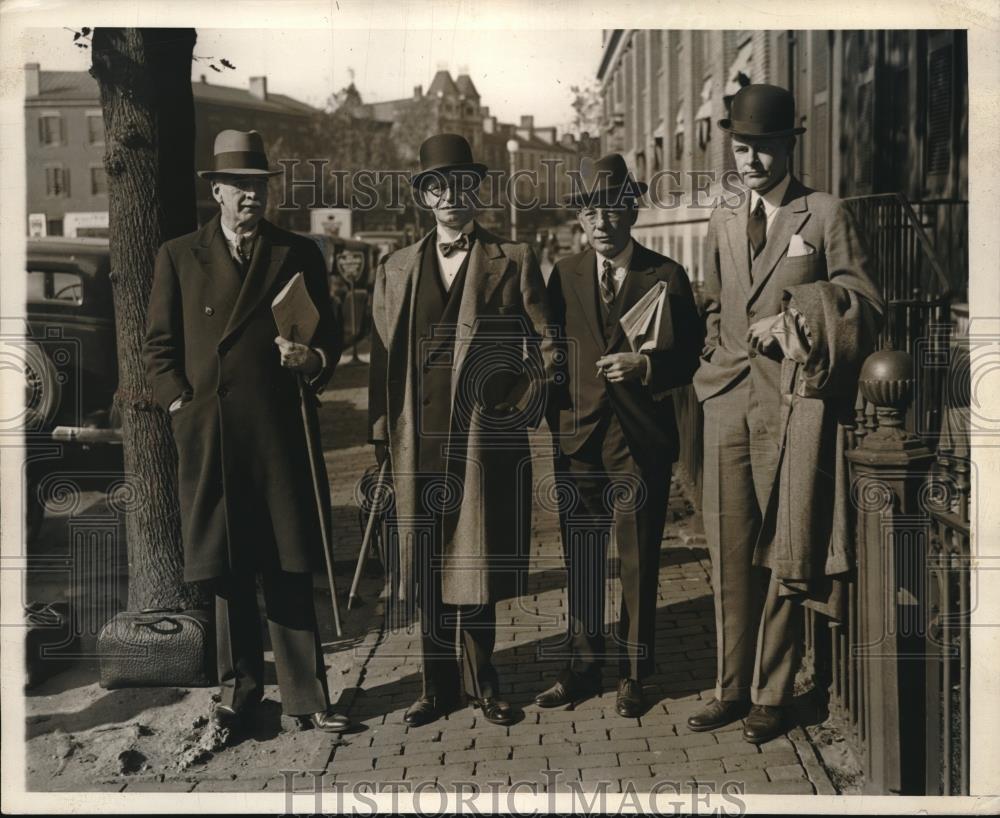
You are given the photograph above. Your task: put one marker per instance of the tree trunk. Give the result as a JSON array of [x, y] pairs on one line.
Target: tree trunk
[[146, 98]]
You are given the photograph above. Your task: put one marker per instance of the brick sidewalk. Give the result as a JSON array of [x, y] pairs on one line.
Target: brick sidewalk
[[588, 745]]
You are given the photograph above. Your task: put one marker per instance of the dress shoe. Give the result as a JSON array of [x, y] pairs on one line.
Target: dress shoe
[[570, 688], [764, 723], [423, 711], [495, 711], [717, 714], [325, 720], [629, 704]]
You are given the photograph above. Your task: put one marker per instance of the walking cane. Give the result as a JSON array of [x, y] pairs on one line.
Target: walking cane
[[366, 541], [314, 473]]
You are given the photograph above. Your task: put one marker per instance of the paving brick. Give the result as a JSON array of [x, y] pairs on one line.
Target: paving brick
[[640, 731], [564, 716], [639, 771], [417, 759], [673, 772], [351, 764], [782, 788], [374, 777], [229, 785], [542, 750], [447, 742], [746, 778], [721, 750], [613, 746], [365, 751], [759, 761], [501, 739], [477, 754], [597, 760], [682, 742], [580, 737], [653, 757], [786, 772], [511, 766]]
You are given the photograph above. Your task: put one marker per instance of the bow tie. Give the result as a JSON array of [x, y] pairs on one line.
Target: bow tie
[[449, 247]]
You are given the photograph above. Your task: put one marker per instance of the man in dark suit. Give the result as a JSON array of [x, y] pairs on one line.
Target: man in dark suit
[[616, 432], [781, 236], [231, 388], [459, 365]]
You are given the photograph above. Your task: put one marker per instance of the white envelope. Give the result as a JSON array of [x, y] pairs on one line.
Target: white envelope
[[798, 246]]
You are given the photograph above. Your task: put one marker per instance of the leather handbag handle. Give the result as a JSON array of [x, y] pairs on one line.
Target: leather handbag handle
[[153, 626]]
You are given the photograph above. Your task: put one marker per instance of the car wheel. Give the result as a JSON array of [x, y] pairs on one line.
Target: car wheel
[[42, 389]]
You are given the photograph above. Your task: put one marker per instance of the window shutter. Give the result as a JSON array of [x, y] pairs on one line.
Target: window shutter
[[939, 110]]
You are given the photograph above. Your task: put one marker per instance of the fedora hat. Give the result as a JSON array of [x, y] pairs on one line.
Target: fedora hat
[[606, 181], [762, 111], [446, 153], [239, 153]]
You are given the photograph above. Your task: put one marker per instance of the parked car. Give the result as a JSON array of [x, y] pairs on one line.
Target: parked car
[[70, 367], [350, 266]]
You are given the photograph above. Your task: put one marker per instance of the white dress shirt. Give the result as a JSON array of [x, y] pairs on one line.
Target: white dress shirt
[[231, 239], [450, 265], [772, 199], [620, 265]]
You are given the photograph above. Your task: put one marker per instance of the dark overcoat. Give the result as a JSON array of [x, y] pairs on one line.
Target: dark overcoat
[[245, 489], [503, 354]]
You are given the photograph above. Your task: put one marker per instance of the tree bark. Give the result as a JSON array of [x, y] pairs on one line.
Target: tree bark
[[145, 82]]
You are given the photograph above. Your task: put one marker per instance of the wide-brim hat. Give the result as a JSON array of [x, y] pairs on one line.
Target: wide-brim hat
[[762, 111], [606, 182], [446, 153], [238, 153]]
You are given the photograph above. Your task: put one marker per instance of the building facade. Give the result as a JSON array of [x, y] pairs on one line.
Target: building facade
[[884, 112], [64, 144]]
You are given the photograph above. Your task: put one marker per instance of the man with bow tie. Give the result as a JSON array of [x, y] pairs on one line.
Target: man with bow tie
[[791, 312], [460, 367], [230, 386], [616, 431]]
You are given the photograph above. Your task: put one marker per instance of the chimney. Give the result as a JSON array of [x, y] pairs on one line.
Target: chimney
[[418, 91], [32, 79], [568, 141], [484, 110], [527, 121], [258, 87], [204, 80]]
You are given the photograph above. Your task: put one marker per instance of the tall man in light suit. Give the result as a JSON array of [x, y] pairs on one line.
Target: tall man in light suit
[[459, 371], [616, 432], [780, 237], [247, 500]]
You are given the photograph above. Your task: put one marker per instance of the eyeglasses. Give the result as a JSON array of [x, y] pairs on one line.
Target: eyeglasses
[[595, 215]]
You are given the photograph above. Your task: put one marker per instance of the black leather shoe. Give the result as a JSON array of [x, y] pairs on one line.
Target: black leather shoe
[[570, 688], [495, 711], [629, 704], [764, 723], [423, 711], [325, 720], [717, 714]]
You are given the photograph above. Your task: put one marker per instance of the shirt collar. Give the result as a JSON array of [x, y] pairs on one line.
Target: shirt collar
[[773, 198], [448, 234], [231, 234], [622, 260]]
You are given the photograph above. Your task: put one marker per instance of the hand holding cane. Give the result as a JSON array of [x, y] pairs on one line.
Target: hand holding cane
[[366, 541]]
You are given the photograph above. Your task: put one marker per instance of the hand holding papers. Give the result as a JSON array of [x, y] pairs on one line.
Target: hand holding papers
[[294, 311]]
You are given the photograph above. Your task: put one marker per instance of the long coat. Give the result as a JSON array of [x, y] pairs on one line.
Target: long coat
[[504, 305], [245, 490]]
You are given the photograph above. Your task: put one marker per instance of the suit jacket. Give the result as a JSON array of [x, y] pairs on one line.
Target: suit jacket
[[646, 413], [246, 495], [738, 293], [502, 354]]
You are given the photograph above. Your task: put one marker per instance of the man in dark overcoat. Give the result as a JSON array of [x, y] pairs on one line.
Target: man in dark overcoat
[[616, 431], [782, 244], [230, 385], [459, 370]]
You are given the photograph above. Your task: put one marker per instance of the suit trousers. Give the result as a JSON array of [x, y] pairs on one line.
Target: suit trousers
[[295, 641], [457, 641], [610, 494], [758, 632]]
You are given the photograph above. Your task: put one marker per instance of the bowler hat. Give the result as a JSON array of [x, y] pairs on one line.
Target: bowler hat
[[606, 182], [239, 153], [446, 153], [762, 111]]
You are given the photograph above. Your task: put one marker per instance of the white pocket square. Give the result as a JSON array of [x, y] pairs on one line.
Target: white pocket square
[[798, 246]]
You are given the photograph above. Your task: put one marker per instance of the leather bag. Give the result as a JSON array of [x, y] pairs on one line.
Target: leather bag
[[159, 647]]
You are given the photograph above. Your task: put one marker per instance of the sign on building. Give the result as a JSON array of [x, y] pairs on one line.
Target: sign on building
[[37, 226], [85, 224], [333, 221]]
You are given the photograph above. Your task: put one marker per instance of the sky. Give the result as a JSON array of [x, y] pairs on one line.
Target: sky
[[516, 72]]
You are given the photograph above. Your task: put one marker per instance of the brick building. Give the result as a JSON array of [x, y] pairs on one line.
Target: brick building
[[884, 111], [64, 143]]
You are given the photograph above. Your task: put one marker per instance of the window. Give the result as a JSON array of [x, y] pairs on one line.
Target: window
[[98, 181], [95, 128], [939, 110], [51, 286], [50, 131], [56, 181]]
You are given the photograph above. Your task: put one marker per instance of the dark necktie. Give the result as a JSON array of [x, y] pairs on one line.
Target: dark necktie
[[449, 247], [607, 284], [757, 228], [244, 247]]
